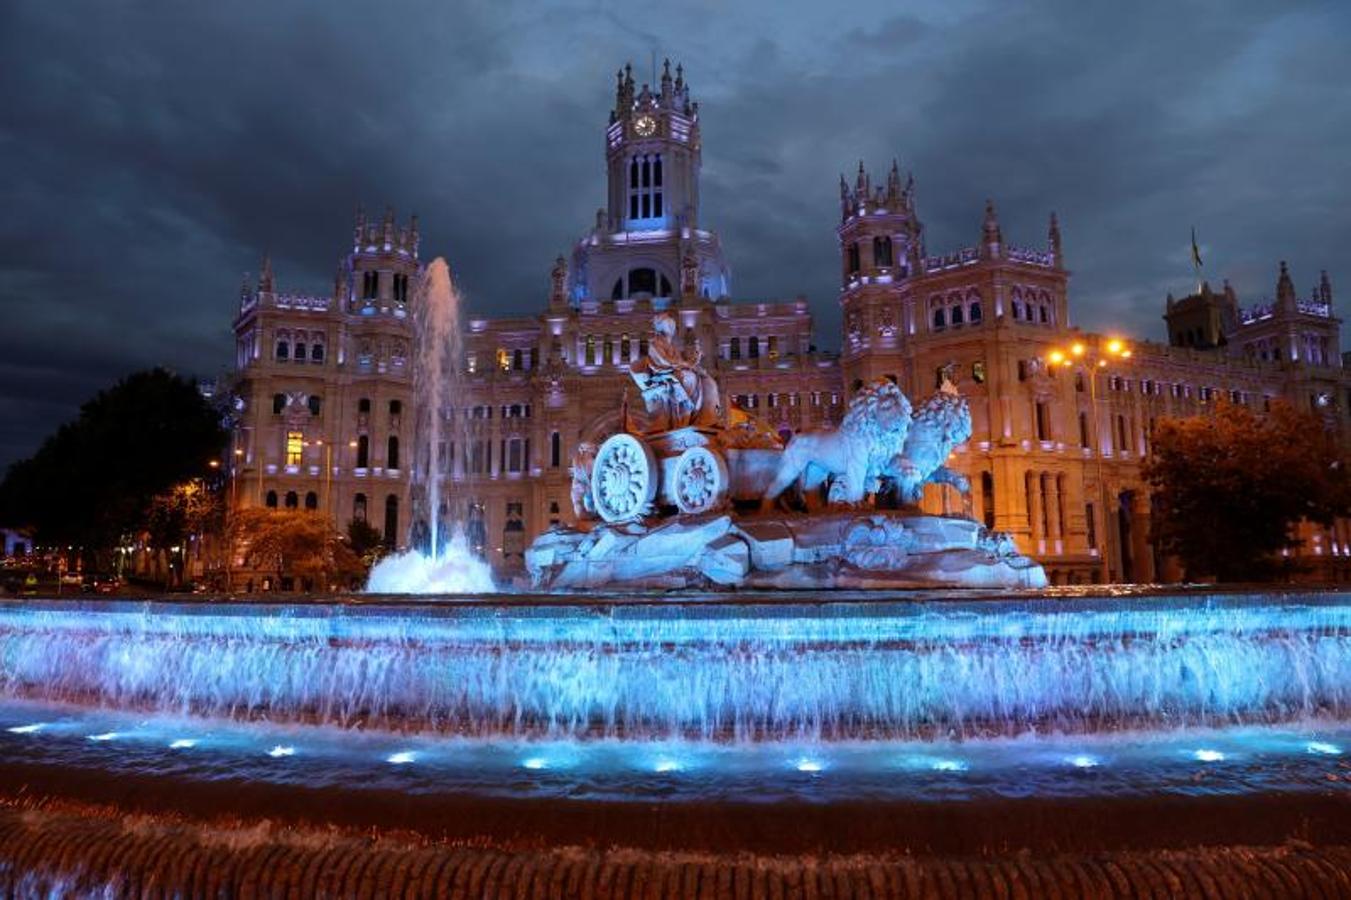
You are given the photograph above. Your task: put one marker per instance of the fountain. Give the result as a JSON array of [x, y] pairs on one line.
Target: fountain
[[447, 564], [745, 718]]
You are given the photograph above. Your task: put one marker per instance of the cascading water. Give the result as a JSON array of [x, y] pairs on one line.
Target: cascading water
[[711, 673], [448, 565]]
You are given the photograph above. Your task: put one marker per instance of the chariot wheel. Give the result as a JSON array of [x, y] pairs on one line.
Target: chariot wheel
[[623, 478], [701, 481]]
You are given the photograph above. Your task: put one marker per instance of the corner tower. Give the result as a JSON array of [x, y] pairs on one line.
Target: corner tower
[[646, 242]]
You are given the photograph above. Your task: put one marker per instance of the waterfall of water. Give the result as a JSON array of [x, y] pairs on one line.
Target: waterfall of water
[[736, 672], [447, 565]]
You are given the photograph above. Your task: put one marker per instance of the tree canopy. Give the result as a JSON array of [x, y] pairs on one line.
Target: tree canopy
[[96, 478], [295, 542], [1230, 488]]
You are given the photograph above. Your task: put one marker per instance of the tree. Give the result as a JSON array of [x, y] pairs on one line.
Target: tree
[[295, 543], [95, 479], [366, 541], [185, 511], [1230, 488]]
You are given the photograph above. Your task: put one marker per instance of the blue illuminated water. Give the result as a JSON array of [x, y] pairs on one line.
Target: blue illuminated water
[[720, 672], [756, 699]]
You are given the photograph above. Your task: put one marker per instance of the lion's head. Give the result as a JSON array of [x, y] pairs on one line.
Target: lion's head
[[879, 414], [946, 415]]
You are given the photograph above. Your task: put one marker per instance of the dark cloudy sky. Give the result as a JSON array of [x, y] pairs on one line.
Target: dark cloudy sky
[[152, 150]]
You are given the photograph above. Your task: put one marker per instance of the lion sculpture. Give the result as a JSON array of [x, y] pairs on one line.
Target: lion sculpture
[[853, 456], [939, 424]]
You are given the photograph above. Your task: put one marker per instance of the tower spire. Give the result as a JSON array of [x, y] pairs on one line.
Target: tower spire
[[1285, 288], [992, 238], [266, 281], [1053, 238]]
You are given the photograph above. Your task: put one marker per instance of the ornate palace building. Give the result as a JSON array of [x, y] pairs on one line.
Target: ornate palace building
[[1056, 451]]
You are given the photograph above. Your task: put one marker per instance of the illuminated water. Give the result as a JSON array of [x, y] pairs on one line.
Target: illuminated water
[[685, 699], [446, 563]]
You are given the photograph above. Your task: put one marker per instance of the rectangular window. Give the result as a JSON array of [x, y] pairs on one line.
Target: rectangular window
[[555, 450], [1091, 524], [295, 447]]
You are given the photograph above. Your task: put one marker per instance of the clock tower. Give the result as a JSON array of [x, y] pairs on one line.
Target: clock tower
[[647, 241], [652, 154]]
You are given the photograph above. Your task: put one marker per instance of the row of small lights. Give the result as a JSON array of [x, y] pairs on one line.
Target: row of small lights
[[806, 765]]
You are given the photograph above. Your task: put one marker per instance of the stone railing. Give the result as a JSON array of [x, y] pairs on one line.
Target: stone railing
[[963, 257], [1030, 256]]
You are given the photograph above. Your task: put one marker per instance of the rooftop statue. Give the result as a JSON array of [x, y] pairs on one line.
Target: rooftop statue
[[676, 389]]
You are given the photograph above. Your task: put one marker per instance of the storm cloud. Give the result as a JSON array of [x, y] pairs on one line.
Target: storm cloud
[[152, 151]]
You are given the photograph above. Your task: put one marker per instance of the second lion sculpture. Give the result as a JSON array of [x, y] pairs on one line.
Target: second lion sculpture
[[854, 456]]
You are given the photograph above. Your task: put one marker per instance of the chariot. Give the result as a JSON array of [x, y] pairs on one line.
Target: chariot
[[690, 470]]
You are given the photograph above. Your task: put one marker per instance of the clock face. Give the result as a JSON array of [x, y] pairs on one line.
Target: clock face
[[645, 125]]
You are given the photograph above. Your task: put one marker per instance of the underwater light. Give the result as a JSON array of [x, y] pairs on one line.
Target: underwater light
[[809, 765], [949, 765], [106, 736], [27, 729], [1208, 756], [535, 762], [1083, 761], [279, 751], [398, 759], [1321, 747], [183, 744], [666, 765]]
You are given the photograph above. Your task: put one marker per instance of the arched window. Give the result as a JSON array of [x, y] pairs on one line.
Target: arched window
[[395, 407], [392, 454], [853, 258], [754, 349], [645, 187], [734, 349], [956, 315], [317, 352], [987, 498], [364, 405], [315, 403], [271, 501], [278, 403], [618, 292], [359, 507], [1017, 310], [391, 520], [301, 350], [882, 251], [517, 359], [939, 321], [311, 501], [363, 451], [1083, 430], [283, 349], [370, 285], [642, 281], [292, 501], [1045, 314], [974, 314]]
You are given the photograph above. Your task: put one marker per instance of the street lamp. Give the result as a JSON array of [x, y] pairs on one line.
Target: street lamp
[[1089, 359]]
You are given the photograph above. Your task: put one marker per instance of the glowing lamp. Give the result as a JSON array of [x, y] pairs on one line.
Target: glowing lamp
[[1077, 349], [1114, 346], [1056, 357]]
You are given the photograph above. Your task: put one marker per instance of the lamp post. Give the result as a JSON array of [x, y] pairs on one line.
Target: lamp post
[[1090, 359]]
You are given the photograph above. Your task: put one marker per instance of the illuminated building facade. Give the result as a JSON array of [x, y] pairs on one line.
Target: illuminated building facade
[[323, 388], [1056, 451]]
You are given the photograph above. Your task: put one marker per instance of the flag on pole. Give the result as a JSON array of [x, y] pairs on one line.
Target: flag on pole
[[1196, 251]]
